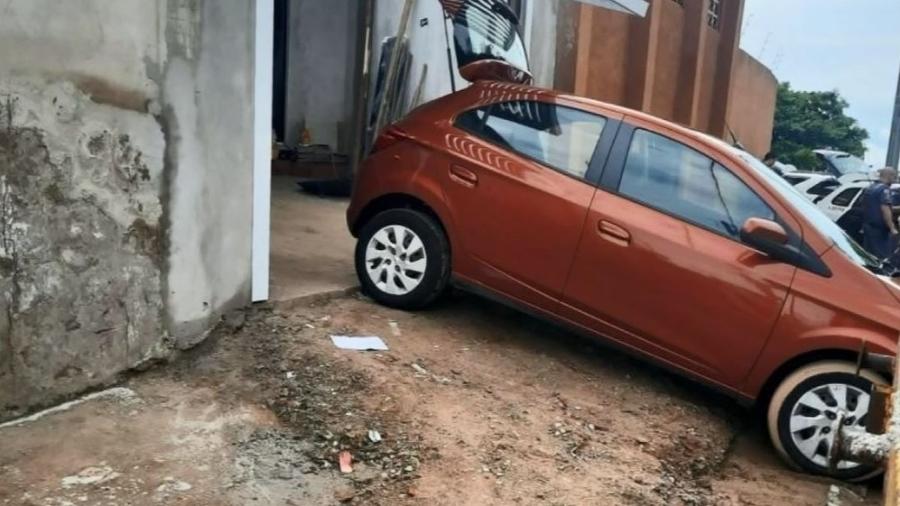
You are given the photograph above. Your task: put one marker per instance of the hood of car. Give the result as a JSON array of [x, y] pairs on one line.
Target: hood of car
[[486, 41]]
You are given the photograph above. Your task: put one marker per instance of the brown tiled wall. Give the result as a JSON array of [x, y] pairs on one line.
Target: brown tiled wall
[[670, 64]]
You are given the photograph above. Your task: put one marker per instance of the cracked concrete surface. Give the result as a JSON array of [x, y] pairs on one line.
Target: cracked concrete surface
[[79, 214], [125, 195]]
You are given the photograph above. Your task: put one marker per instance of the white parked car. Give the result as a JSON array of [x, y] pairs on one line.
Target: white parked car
[[784, 168], [837, 186], [813, 185], [843, 165], [844, 206], [842, 198]]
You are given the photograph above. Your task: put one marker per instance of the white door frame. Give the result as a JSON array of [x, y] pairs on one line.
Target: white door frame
[[262, 149]]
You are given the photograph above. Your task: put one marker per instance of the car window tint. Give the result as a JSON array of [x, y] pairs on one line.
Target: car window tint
[[560, 137], [794, 180], [740, 202], [844, 198], [471, 120], [676, 179]]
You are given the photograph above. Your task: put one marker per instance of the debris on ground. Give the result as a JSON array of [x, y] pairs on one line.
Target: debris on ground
[[474, 404], [345, 462], [366, 343], [843, 496], [91, 476], [324, 403]]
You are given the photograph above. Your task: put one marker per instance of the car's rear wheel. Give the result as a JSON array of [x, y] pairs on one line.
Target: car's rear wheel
[[403, 259], [803, 416]]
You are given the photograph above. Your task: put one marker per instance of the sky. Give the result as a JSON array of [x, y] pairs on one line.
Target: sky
[[852, 46]]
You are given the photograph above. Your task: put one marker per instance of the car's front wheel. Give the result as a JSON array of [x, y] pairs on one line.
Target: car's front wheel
[[403, 259], [803, 416]]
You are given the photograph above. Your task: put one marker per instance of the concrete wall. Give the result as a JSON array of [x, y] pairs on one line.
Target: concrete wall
[[670, 64], [607, 62], [668, 61], [322, 40], [709, 52], [540, 29], [752, 113], [125, 195]]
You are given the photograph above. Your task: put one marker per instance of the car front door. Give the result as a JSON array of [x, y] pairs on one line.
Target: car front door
[[836, 204], [661, 266], [518, 184]]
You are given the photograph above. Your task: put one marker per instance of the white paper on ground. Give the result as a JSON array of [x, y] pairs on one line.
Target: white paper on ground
[[359, 343]]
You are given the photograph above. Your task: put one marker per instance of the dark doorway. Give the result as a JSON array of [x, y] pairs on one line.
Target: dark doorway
[[279, 75]]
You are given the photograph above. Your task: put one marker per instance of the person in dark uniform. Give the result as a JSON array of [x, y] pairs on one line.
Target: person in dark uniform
[[879, 229]]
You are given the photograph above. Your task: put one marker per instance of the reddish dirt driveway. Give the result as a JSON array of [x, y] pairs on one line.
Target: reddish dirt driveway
[[474, 404]]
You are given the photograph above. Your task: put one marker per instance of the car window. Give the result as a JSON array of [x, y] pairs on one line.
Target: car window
[[795, 180], [844, 198], [847, 163], [674, 178], [560, 137], [471, 120], [481, 32], [824, 187]]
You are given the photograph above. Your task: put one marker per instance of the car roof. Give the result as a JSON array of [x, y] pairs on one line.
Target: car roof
[[522, 91], [806, 173], [829, 152]]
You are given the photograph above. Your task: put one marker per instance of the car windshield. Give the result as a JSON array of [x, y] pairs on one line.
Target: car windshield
[[847, 163], [816, 217]]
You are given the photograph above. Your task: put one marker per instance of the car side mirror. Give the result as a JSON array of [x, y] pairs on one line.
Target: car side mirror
[[768, 237], [757, 230]]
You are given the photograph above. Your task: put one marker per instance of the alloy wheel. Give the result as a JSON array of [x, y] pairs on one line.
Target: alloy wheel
[[396, 260], [815, 417]]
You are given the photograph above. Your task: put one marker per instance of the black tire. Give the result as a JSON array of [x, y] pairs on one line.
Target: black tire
[[806, 379], [437, 254]]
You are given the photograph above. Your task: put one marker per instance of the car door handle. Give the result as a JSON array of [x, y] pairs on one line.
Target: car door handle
[[613, 233], [463, 176]]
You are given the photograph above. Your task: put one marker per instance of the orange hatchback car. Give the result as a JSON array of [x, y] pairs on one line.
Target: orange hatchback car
[[662, 240]]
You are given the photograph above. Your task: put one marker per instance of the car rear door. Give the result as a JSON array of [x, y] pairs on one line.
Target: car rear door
[[661, 267], [519, 180]]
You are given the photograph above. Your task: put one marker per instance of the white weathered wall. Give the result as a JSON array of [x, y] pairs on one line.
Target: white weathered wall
[[427, 46], [125, 194], [207, 102]]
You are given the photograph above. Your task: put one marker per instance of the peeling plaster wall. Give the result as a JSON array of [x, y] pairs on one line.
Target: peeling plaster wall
[[125, 185]]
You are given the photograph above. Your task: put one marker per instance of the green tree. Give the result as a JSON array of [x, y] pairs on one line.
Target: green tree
[[808, 120]]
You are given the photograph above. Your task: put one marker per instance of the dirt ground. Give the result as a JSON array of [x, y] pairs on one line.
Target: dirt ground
[[312, 250], [473, 404]]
